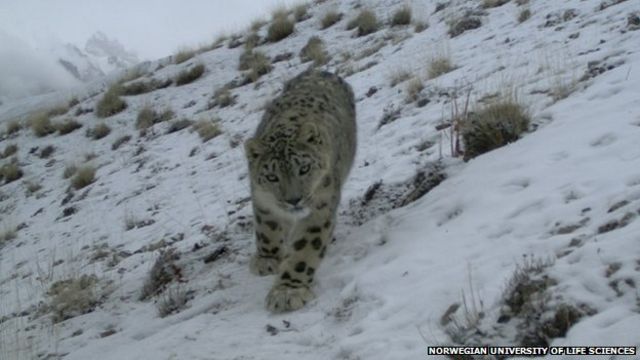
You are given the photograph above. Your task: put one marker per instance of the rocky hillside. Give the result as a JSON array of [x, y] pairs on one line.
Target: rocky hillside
[[494, 199]]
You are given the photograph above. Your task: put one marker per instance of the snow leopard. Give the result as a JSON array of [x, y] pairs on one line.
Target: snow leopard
[[299, 158]]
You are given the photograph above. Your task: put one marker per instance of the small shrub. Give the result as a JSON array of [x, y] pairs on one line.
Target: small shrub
[[252, 40], [234, 41], [207, 129], [47, 151], [163, 272], [399, 76], [280, 28], [179, 125], [524, 15], [183, 55], [256, 62], [257, 24], [73, 297], [493, 3], [172, 301], [120, 141], [68, 126], [390, 113], [223, 98], [329, 18], [439, 66], [314, 51], [69, 171], [462, 24], [401, 16], [32, 187], [9, 150], [41, 125], [99, 131], [130, 75], [366, 22], [7, 235], [190, 75], [420, 26], [10, 172], [493, 126], [84, 176], [301, 12], [143, 87], [111, 103], [414, 87], [148, 117], [57, 111], [13, 127]]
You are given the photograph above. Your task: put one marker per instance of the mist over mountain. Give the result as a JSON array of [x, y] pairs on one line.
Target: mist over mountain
[[28, 70]]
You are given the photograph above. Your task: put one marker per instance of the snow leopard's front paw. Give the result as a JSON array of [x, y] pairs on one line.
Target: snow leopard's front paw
[[284, 298], [262, 265]]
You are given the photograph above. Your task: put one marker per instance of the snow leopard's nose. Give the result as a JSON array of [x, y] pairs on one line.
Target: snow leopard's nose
[[294, 201]]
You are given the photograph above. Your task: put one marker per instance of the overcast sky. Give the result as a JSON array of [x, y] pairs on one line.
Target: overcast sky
[[151, 28]]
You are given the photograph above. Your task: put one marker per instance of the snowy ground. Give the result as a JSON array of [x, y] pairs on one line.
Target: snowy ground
[[567, 193]]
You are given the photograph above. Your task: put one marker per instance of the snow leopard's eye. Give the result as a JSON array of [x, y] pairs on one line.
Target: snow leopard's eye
[[305, 169], [272, 178]]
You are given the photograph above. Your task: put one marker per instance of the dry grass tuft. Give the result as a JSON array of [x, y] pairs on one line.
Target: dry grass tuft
[[222, 98], [120, 141], [301, 12], [399, 76], [13, 127], [162, 273], [330, 18], [280, 28], [207, 129], [314, 51], [147, 117], [67, 126], [99, 131], [178, 125], [524, 15], [10, 172], [183, 55], [366, 22], [111, 103], [72, 297], [9, 150], [256, 62], [420, 26], [463, 23], [493, 3], [84, 176], [439, 66], [493, 126], [189, 75], [414, 87], [41, 125], [143, 87], [69, 171], [401, 16]]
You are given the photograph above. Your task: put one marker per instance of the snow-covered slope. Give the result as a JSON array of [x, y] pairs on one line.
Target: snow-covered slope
[[562, 203]]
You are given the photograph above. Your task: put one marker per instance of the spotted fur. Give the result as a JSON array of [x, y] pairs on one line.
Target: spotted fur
[[299, 158]]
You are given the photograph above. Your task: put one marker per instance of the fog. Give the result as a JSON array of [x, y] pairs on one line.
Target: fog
[[150, 28]]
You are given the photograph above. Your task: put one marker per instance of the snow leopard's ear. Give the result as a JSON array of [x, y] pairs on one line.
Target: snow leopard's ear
[[253, 148], [309, 133]]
